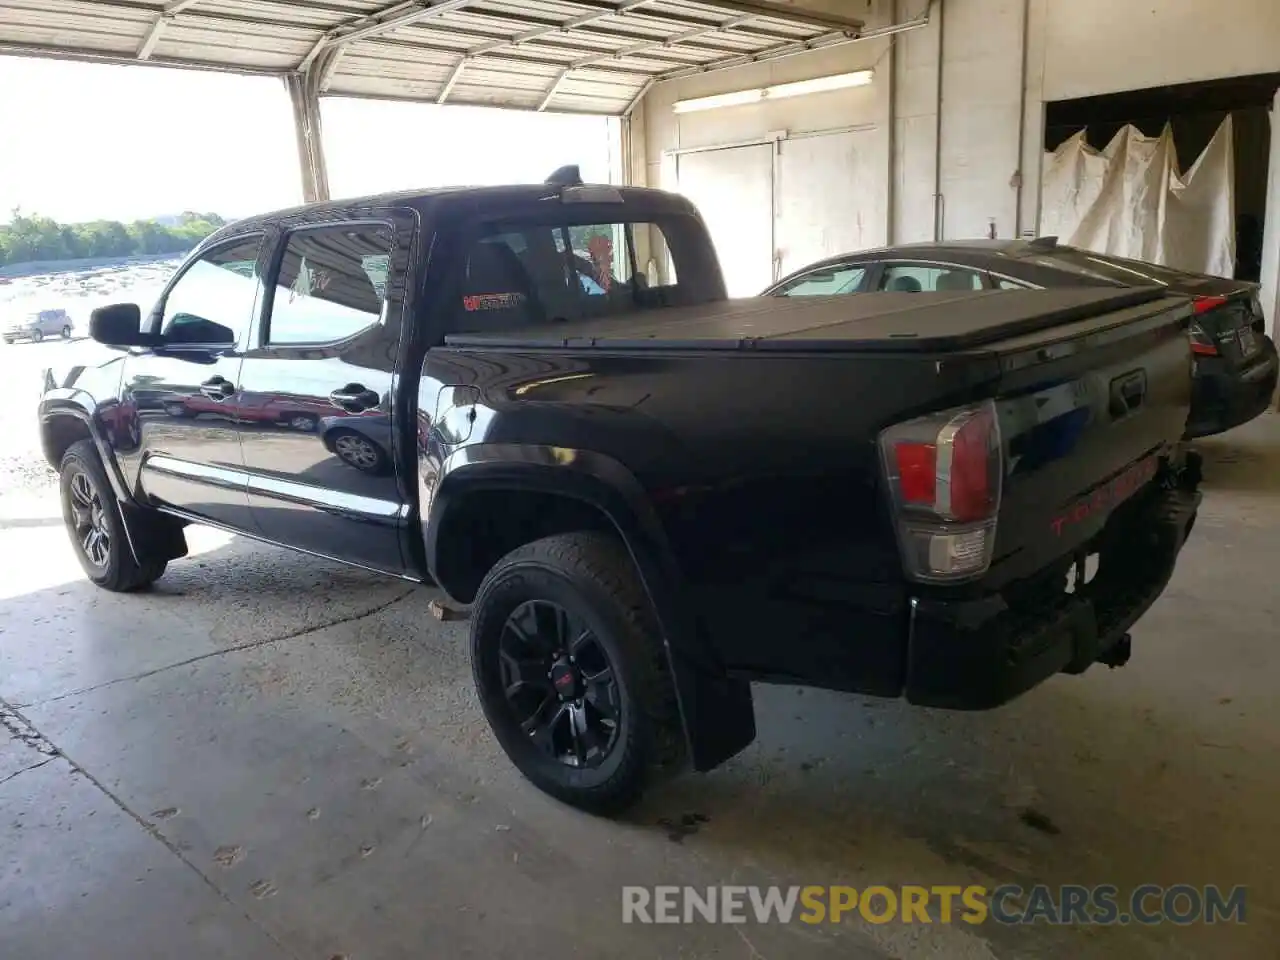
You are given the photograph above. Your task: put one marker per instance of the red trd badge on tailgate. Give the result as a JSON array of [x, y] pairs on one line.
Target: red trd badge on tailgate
[[1107, 496]]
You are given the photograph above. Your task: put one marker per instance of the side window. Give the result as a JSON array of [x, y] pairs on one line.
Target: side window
[[1003, 284], [823, 283], [212, 301], [332, 284], [914, 278]]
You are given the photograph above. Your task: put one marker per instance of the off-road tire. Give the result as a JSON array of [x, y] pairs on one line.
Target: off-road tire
[[592, 575], [121, 573]]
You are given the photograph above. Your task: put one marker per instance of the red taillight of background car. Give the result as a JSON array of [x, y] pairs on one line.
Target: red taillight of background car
[[1202, 344], [944, 473], [1204, 304]]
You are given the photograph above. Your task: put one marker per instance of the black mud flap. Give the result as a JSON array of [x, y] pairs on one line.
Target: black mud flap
[[718, 713], [164, 535]]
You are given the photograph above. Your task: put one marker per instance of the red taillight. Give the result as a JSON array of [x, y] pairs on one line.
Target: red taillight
[[972, 484], [1205, 304], [917, 472], [944, 473], [1202, 344]]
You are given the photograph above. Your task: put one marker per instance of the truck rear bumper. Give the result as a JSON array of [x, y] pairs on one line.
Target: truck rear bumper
[[978, 654]]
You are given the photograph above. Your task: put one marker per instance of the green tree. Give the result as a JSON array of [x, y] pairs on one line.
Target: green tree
[[34, 238]]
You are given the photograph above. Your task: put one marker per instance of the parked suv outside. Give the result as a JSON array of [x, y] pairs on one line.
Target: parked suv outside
[[38, 324]]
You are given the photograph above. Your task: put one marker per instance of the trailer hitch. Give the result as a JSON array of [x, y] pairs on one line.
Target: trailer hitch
[[1117, 655]]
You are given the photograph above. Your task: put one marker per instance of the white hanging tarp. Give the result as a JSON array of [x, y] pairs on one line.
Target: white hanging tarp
[[1131, 200]]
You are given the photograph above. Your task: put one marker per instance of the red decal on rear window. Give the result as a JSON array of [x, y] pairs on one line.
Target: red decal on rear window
[[493, 301]]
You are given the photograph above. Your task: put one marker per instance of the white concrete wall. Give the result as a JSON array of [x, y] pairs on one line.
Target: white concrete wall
[[666, 131], [1104, 46], [1073, 48]]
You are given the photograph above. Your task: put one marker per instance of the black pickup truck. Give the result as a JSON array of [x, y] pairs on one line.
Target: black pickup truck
[[540, 399]]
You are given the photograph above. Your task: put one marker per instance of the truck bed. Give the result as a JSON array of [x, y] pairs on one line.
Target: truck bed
[[891, 322]]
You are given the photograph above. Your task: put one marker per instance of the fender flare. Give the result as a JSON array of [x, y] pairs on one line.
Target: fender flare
[[64, 402], [716, 710]]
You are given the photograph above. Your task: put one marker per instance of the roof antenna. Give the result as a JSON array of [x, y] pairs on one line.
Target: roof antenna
[[566, 176]]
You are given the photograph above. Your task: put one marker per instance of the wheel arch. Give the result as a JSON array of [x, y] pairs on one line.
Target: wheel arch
[[65, 420], [554, 490]]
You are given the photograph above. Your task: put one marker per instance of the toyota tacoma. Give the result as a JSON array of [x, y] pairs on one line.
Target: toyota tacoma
[[648, 495]]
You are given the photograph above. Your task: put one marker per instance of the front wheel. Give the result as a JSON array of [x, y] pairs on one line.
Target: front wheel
[[572, 673], [93, 521], [66, 333], [37, 336]]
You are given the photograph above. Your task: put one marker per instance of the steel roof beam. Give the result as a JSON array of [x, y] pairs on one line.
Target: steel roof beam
[[626, 7], [552, 90], [380, 22], [157, 28], [788, 16], [835, 39], [583, 30], [811, 18], [641, 48], [634, 73]]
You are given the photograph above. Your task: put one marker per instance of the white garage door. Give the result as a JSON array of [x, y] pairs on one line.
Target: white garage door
[[733, 188], [777, 206], [829, 196]]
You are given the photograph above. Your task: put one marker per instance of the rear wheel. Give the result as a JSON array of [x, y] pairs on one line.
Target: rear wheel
[[572, 673], [66, 333], [37, 336], [302, 422], [93, 521]]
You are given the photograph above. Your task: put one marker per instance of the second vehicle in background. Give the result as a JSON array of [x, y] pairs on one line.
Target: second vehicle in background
[[35, 325], [1235, 361]]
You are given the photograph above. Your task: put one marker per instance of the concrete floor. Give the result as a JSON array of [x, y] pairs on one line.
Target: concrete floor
[[270, 756]]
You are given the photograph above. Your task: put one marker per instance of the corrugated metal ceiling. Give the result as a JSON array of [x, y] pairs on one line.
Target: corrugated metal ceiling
[[584, 56]]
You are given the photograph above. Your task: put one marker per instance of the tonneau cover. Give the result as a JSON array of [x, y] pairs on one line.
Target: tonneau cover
[[897, 322]]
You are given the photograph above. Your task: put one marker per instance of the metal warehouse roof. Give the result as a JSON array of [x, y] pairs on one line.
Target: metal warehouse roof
[[585, 56]]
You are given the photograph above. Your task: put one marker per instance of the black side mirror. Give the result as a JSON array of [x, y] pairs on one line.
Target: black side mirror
[[119, 325]]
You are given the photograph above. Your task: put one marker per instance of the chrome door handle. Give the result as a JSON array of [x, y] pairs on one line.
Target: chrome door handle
[[218, 388], [354, 397]]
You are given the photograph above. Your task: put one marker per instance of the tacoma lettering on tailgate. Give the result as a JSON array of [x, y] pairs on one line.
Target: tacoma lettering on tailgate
[[1107, 496]]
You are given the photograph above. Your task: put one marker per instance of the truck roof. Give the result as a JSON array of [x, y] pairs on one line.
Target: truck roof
[[892, 322], [483, 199]]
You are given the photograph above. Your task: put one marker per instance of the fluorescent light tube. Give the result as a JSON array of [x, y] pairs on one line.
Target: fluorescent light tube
[[720, 100], [840, 81]]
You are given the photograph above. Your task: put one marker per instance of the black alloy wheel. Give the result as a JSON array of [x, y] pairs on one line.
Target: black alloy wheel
[[95, 525], [560, 684], [572, 673], [89, 520]]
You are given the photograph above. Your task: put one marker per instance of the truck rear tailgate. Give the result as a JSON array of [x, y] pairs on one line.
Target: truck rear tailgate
[[1086, 420]]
